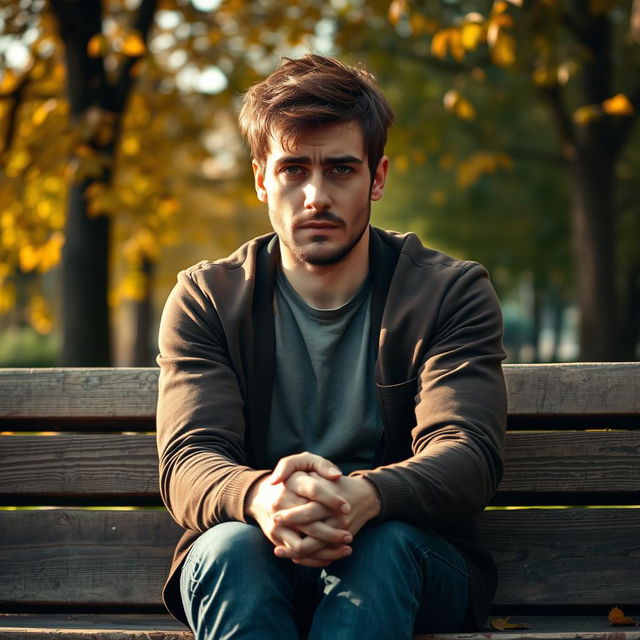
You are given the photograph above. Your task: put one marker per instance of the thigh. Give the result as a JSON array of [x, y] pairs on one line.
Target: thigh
[[398, 578], [232, 585]]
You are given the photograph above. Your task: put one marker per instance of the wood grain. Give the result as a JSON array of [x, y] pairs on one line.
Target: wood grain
[[67, 556], [91, 466], [545, 556], [123, 469], [136, 627], [120, 393]]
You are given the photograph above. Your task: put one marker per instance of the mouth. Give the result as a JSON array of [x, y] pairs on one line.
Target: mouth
[[324, 222]]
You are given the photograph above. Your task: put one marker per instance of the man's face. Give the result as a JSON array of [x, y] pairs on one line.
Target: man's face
[[319, 193]]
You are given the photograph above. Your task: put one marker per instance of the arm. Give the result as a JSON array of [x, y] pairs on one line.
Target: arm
[[460, 413], [204, 477]]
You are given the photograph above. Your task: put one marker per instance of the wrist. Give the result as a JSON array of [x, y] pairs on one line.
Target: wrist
[[250, 501]]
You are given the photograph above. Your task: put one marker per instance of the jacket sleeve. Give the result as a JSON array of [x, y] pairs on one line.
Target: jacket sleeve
[[200, 422], [460, 413]]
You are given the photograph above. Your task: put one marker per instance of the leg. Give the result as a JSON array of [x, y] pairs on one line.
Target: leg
[[232, 586], [398, 580]]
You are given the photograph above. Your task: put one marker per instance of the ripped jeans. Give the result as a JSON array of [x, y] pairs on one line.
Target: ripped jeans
[[399, 580]]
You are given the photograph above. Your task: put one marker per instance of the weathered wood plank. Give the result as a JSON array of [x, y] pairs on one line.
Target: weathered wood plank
[[68, 556], [136, 627], [51, 393], [611, 389], [92, 627], [565, 556], [575, 389], [545, 556], [91, 466], [594, 462], [124, 467]]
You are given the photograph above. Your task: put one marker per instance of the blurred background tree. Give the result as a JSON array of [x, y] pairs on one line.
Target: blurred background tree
[[514, 145]]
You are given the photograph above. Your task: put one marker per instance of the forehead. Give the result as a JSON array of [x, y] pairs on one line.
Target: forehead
[[335, 140]]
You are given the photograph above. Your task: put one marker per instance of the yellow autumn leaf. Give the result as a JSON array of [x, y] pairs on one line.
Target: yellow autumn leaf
[[9, 81], [17, 163], [543, 77], [584, 115], [471, 35], [618, 619], [130, 145], [439, 43], [421, 24], [618, 105], [28, 257], [97, 46], [396, 10], [455, 44], [40, 316], [133, 286], [503, 51], [499, 6], [7, 297], [464, 109], [41, 113], [503, 624], [133, 45], [51, 252], [401, 163]]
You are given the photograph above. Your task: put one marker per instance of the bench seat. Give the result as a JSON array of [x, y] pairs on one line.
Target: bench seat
[[85, 542]]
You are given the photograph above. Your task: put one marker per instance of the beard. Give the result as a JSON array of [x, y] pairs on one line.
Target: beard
[[317, 253]]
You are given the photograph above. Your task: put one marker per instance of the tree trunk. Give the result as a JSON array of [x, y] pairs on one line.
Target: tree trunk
[[85, 256], [85, 324], [593, 223]]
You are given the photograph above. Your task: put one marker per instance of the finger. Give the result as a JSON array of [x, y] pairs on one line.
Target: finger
[[325, 553], [304, 462], [331, 535], [311, 562], [292, 541], [298, 548], [318, 490], [302, 513]]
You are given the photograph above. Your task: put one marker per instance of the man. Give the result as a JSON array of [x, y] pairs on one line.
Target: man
[[331, 404]]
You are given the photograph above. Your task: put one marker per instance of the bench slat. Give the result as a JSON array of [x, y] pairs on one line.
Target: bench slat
[[102, 394], [111, 558], [124, 467], [135, 627]]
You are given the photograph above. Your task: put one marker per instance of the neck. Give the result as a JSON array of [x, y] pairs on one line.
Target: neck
[[328, 286]]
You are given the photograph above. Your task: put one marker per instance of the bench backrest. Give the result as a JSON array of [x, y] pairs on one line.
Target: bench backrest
[[82, 525]]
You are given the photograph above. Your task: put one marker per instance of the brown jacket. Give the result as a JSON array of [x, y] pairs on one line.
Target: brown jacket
[[437, 330]]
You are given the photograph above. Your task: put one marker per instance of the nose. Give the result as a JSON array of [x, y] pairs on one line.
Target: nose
[[316, 195]]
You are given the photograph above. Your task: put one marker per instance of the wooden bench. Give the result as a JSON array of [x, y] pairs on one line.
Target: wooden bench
[[85, 543]]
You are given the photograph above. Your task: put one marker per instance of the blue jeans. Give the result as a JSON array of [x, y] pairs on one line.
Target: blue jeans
[[398, 580]]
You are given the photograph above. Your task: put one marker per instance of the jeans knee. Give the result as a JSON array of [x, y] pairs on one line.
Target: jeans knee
[[233, 546]]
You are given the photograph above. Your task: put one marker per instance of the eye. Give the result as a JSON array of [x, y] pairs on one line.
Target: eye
[[342, 169], [292, 170]]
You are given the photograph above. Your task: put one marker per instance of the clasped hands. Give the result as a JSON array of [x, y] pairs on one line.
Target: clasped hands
[[309, 510]]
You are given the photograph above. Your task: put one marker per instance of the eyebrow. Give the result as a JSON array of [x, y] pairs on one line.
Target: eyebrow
[[346, 159]]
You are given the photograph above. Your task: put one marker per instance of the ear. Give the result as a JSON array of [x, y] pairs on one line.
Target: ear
[[379, 179], [258, 177]]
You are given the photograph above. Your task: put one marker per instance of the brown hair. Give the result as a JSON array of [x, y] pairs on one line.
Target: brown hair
[[312, 92]]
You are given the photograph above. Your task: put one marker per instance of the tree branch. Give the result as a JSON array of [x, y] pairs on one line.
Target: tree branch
[[560, 116], [142, 24]]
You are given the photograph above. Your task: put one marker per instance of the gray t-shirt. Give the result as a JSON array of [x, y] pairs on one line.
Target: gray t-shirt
[[324, 397]]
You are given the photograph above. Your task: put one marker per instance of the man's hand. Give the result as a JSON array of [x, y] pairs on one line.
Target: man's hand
[[275, 493], [365, 505]]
